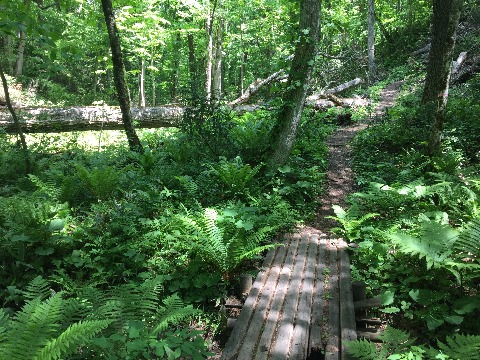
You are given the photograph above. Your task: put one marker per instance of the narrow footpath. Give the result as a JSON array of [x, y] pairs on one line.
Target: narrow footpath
[[300, 305]]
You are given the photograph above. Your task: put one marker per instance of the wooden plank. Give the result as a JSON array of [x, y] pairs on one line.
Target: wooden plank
[[255, 327], [347, 311], [368, 303], [236, 338], [315, 338], [284, 332], [299, 347], [332, 348], [274, 313]]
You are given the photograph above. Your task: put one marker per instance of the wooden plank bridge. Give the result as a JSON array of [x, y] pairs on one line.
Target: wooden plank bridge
[[300, 305]]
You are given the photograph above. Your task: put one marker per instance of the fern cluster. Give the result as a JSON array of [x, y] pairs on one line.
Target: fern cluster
[[398, 345], [39, 330], [125, 321], [223, 249]]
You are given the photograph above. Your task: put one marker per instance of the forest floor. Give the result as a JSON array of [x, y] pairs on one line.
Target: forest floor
[[340, 179]]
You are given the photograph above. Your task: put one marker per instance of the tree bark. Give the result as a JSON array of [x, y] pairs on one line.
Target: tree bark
[[141, 85], [446, 14], [372, 72], [20, 54], [217, 61], [176, 67], [285, 131], [47, 120], [255, 87], [18, 127], [119, 77], [209, 65], [192, 64]]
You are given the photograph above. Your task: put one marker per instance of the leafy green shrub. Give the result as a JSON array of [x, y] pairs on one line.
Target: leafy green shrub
[[208, 127], [86, 186], [235, 176], [31, 236]]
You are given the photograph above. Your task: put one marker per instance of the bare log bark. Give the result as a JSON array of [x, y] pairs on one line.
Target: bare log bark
[[464, 73], [423, 50], [459, 62], [46, 120], [255, 87]]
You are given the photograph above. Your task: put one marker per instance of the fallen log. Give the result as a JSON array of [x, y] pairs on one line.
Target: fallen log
[[459, 62], [255, 87], [467, 71], [48, 120], [332, 91]]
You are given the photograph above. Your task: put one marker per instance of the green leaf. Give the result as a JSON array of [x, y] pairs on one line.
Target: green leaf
[[387, 297], [454, 319], [44, 251], [433, 323], [390, 310], [56, 225]]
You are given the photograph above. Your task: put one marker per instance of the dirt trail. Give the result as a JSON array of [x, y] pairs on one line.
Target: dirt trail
[[340, 179]]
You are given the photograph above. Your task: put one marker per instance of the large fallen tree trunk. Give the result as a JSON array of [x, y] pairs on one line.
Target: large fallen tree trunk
[[52, 120], [46, 120]]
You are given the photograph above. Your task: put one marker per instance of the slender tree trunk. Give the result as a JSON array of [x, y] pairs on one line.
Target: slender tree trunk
[[176, 67], [8, 51], [154, 100], [141, 85], [15, 120], [217, 61], [446, 14], [242, 72], [372, 72], [284, 133], [209, 65], [192, 64], [95, 77], [119, 77], [20, 54]]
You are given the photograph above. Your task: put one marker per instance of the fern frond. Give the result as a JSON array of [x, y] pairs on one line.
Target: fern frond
[[50, 189], [396, 340], [173, 313], [133, 301], [74, 336], [32, 327], [468, 242], [189, 184], [363, 350], [4, 325], [461, 347], [434, 243], [38, 288]]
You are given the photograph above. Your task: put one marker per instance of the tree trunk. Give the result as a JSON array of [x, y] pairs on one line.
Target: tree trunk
[[372, 73], [141, 85], [154, 100], [176, 67], [217, 61], [48, 120], [209, 65], [18, 128], [284, 132], [446, 14], [192, 64], [119, 77], [20, 54]]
